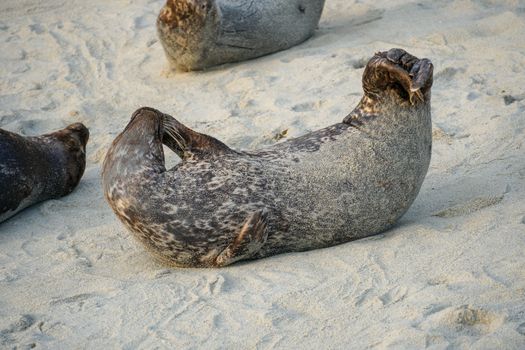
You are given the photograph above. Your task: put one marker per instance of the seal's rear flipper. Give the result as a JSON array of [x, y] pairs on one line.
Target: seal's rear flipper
[[398, 70], [250, 239], [395, 73], [184, 141]]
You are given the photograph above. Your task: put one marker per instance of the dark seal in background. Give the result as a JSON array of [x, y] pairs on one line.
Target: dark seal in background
[[33, 169]]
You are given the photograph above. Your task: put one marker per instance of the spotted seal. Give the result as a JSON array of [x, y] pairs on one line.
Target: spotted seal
[[197, 34], [33, 169], [345, 182]]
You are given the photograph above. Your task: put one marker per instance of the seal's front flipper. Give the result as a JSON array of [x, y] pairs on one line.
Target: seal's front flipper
[[185, 142], [250, 239]]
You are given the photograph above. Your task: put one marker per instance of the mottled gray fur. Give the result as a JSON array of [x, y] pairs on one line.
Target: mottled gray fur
[[33, 169], [347, 181], [197, 34]]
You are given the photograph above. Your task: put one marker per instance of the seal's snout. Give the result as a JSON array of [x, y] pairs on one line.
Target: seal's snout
[[81, 131]]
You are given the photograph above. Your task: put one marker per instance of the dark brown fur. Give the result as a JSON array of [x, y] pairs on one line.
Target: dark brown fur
[[33, 169]]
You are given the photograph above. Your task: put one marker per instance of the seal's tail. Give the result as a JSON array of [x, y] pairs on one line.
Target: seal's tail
[[185, 142], [398, 70], [183, 13]]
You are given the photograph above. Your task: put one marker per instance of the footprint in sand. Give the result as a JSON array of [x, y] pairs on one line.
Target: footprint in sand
[[307, 106], [464, 319], [521, 329], [447, 74], [359, 63], [73, 254], [37, 126], [21, 325], [37, 28], [9, 118], [8, 274], [213, 285], [510, 99], [468, 318], [79, 299], [469, 207], [145, 21], [433, 308], [394, 295], [52, 206], [368, 299], [438, 134]]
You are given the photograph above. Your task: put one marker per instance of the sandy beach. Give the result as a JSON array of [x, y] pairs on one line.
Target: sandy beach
[[450, 275]]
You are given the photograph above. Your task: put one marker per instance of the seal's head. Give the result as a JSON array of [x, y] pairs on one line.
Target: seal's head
[[73, 139]]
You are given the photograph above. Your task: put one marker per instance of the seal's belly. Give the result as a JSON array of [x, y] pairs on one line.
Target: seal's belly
[[260, 27], [348, 187], [342, 192]]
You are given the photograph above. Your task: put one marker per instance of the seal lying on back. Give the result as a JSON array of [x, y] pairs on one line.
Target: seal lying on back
[[33, 169], [347, 181], [197, 34]]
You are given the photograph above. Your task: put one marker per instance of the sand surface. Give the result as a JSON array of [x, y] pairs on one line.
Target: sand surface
[[450, 275]]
